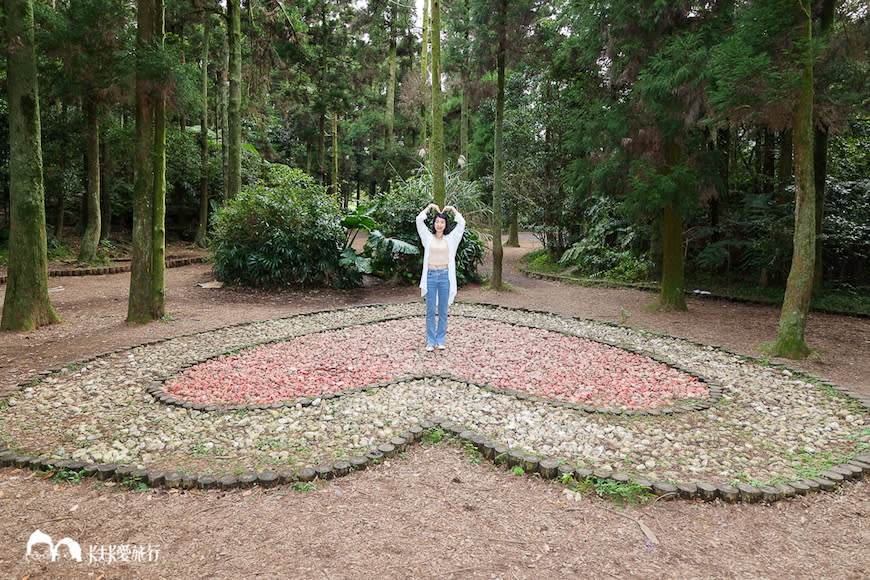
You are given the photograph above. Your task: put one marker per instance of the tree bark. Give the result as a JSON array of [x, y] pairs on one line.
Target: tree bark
[[202, 227], [335, 182], [791, 334], [91, 238], [673, 291], [26, 304], [439, 184], [820, 157], [234, 101], [513, 240], [139, 301], [498, 177], [158, 235], [672, 295], [391, 87], [424, 74]]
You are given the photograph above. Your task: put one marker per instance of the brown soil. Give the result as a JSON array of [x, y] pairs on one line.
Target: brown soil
[[434, 513]]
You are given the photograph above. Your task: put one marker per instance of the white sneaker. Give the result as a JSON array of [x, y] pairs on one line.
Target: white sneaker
[[429, 348], [441, 346]]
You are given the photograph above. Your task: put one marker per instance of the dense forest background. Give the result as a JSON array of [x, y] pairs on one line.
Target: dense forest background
[[620, 132]]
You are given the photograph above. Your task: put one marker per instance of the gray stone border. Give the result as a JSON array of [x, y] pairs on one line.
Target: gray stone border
[[498, 454], [532, 464]]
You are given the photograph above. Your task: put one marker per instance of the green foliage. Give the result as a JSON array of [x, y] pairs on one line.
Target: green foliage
[[433, 436], [303, 486], [472, 453], [134, 484], [63, 474], [286, 231], [756, 235], [606, 248], [620, 492], [396, 212]]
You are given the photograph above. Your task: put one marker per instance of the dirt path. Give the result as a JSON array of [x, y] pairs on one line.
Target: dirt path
[[435, 513]]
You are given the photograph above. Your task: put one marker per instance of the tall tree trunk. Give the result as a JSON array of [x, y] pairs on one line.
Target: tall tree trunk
[[820, 173], [513, 240], [335, 190], [820, 157], [424, 75], [439, 185], [158, 236], [321, 149], [672, 295], [26, 304], [791, 335], [106, 171], [497, 170], [60, 214], [223, 98], [784, 170], [673, 291], [91, 238], [234, 103], [463, 129], [202, 226], [391, 87], [139, 301]]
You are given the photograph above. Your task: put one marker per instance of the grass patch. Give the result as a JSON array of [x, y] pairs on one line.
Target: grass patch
[[433, 436], [619, 492]]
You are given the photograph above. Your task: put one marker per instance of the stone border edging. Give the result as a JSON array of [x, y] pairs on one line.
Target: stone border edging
[[171, 262], [498, 454], [547, 468]]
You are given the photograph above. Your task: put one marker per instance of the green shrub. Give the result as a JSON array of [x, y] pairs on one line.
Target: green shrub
[[285, 231], [396, 212], [607, 248]]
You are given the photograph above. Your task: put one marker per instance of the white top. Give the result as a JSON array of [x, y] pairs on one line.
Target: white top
[[453, 239]]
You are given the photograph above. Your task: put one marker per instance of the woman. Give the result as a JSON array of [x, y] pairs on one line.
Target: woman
[[438, 283]]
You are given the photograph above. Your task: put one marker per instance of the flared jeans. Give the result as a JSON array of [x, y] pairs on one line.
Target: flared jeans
[[437, 295]]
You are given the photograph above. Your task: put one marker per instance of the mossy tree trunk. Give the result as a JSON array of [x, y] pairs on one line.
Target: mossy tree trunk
[[234, 100], [672, 295], [158, 236], [202, 226], [498, 148], [141, 262], [335, 183], [820, 167], [439, 183], [791, 334], [424, 75], [513, 240], [391, 86], [26, 304], [91, 238]]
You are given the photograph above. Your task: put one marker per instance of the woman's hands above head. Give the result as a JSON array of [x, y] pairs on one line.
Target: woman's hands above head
[[449, 207], [433, 206]]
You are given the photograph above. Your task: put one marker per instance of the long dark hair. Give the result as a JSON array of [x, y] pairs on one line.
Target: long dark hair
[[447, 227]]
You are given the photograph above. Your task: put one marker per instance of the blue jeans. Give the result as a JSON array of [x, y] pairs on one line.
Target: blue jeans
[[437, 295]]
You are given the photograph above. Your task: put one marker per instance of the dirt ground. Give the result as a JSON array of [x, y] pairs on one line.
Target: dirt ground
[[435, 513]]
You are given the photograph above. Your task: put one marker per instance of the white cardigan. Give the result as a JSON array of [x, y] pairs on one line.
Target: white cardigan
[[453, 239]]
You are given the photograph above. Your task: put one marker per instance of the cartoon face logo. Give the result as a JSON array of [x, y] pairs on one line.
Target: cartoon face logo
[[39, 538]]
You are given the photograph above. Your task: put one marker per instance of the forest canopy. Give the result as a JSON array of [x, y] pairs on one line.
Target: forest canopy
[[640, 140]]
